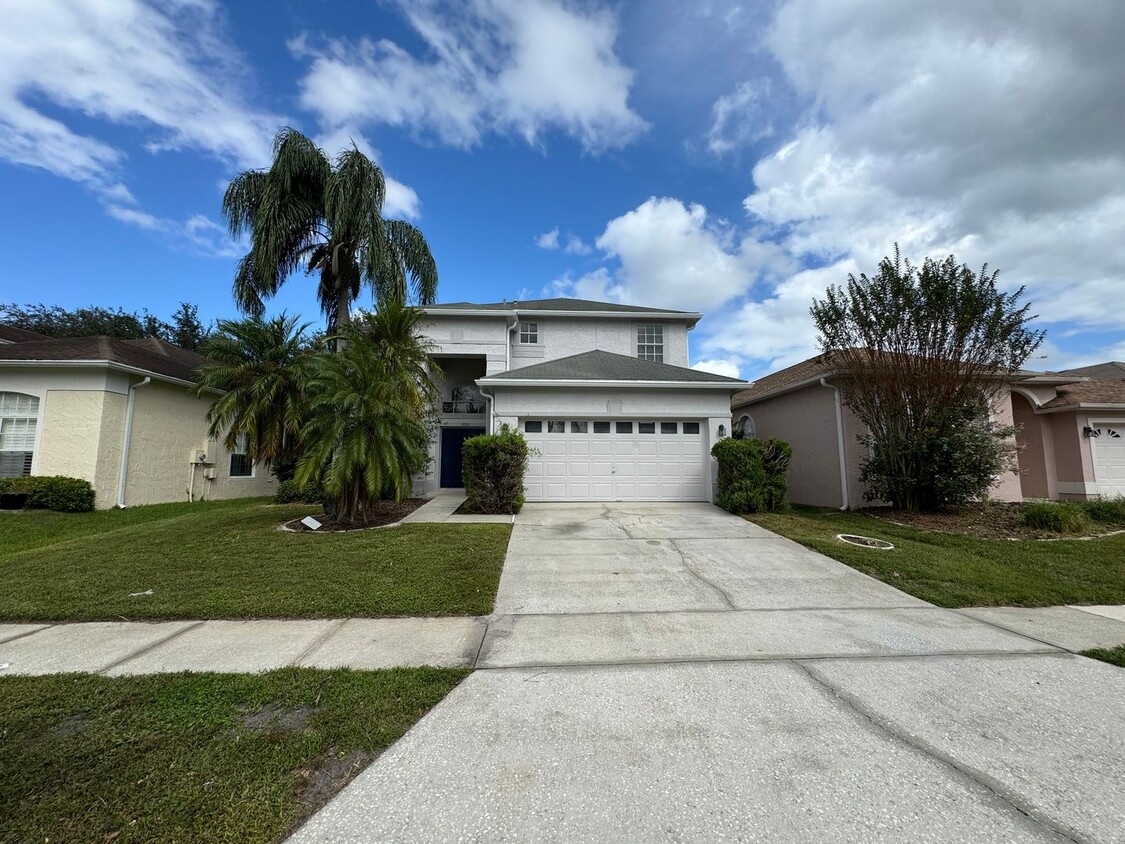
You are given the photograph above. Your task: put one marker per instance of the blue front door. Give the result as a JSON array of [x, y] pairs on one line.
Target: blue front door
[[451, 442]]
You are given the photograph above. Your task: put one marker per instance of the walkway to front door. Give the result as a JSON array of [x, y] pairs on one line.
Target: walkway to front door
[[451, 441]]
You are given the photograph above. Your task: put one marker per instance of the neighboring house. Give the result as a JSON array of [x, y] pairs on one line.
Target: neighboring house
[[11, 334], [119, 413], [602, 392], [1071, 434]]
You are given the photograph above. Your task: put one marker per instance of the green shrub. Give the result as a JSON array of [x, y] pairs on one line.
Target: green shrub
[[51, 492], [290, 492], [1107, 510], [752, 474], [1057, 516], [493, 467]]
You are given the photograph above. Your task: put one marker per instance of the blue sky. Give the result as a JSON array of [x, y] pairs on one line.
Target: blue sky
[[732, 158]]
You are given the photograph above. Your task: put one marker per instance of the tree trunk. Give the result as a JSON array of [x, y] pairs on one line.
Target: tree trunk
[[343, 313]]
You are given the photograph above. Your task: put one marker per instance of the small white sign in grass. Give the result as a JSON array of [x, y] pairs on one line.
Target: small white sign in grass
[[311, 523]]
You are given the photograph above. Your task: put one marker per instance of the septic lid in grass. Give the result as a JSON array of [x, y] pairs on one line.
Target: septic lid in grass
[[864, 541]]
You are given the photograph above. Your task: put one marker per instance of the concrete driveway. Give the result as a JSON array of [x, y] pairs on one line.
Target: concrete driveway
[[673, 673]]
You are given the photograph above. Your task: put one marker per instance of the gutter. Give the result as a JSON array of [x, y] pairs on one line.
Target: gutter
[[103, 364], [128, 438], [579, 382], [839, 441]]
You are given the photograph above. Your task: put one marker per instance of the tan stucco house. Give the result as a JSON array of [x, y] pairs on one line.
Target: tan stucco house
[[1071, 433], [118, 413]]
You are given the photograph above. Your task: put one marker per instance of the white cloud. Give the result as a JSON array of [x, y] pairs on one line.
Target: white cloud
[[719, 366], [167, 71], [990, 131], [198, 233], [507, 66], [741, 117], [575, 246], [548, 240], [671, 255]]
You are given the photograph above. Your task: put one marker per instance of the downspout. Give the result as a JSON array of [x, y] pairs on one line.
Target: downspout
[[491, 408], [512, 326], [840, 441], [128, 438]]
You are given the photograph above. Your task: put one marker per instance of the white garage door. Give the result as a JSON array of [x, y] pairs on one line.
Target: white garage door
[[1108, 446], [614, 460]]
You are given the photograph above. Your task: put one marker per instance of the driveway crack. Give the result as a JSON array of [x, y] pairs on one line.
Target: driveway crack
[[686, 562], [884, 724]]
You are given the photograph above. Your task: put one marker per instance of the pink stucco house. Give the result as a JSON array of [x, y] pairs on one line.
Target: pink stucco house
[[1071, 432]]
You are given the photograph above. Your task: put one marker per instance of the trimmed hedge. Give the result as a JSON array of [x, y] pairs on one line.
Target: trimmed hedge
[[493, 466], [752, 474], [51, 492]]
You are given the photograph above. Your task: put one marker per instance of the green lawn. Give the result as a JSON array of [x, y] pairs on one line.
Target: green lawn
[[193, 757], [1114, 656], [228, 560], [959, 571]]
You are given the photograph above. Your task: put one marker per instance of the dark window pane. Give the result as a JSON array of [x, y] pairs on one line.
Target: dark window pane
[[691, 427], [533, 427], [646, 427], [578, 428], [624, 427], [241, 466], [556, 426], [668, 427], [601, 427]]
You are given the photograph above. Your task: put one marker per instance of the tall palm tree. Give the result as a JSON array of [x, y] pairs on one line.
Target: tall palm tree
[[367, 433], [261, 368], [308, 212]]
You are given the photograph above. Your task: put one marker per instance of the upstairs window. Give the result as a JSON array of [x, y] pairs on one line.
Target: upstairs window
[[529, 332], [19, 416], [241, 466], [650, 342]]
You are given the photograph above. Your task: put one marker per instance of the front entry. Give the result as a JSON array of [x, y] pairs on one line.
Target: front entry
[[451, 441]]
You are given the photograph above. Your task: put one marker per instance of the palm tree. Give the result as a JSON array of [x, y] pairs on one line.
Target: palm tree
[[261, 368], [367, 433], [306, 211]]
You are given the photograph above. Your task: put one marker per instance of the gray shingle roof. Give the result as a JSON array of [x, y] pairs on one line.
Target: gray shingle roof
[[560, 304], [151, 355], [11, 334], [1113, 370], [607, 366]]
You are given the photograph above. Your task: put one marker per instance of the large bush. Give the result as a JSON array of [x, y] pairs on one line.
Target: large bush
[[51, 492], [752, 474], [291, 492], [493, 467], [952, 462]]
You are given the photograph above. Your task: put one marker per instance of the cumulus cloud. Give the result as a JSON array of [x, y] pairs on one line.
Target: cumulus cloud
[[668, 254], [548, 240], [991, 131], [722, 366], [506, 66], [198, 233], [575, 246]]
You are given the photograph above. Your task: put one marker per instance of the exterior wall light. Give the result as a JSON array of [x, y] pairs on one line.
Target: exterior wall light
[[722, 431]]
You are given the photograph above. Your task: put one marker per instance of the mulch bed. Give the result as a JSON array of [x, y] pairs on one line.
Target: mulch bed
[[994, 520], [386, 513]]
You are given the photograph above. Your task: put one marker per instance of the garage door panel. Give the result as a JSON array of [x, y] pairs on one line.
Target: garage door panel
[[569, 462], [1108, 451]]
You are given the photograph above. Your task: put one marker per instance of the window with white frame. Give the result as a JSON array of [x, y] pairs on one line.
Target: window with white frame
[[241, 466], [747, 428], [650, 342], [19, 416], [529, 332]]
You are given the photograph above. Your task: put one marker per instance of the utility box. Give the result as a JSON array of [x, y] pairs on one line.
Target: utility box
[[198, 456], [209, 474]]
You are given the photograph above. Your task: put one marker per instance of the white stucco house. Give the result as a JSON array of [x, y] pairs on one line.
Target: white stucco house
[[118, 413], [602, 392]]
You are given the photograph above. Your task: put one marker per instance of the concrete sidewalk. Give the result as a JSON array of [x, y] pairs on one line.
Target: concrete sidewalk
[[441, 509], [115, 648], [671, 673]]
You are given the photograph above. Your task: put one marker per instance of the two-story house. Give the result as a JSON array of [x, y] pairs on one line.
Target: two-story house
[[602, 392]]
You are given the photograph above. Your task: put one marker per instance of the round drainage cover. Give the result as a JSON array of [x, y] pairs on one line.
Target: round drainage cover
[[864, 541]]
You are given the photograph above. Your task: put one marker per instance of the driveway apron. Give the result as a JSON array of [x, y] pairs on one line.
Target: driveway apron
[[673, 673]]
